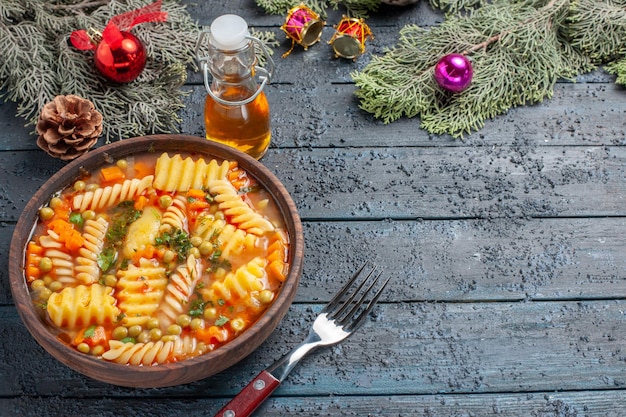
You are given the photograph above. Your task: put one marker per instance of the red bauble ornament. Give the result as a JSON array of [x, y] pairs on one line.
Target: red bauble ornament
[[119, 55], [122, 59], [454, 73]]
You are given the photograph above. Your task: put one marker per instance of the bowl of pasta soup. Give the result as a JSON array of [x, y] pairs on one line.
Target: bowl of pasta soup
[[156, 261]]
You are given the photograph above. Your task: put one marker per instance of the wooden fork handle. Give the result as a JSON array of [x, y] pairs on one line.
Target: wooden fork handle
[[253, 394]]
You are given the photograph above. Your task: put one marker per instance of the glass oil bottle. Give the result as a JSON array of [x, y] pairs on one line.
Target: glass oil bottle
[[236, 111]]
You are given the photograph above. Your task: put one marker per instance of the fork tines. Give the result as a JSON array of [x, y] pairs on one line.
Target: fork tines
[[350, 308]]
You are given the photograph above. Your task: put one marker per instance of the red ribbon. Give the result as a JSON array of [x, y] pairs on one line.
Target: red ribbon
[[112, 33]]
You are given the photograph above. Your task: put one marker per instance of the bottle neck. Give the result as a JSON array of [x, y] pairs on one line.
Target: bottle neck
[[236, 66]]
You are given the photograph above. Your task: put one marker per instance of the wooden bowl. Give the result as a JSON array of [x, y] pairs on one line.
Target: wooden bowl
[[187, 370]]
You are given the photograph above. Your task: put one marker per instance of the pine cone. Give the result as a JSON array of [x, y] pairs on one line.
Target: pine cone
[[68, 127]]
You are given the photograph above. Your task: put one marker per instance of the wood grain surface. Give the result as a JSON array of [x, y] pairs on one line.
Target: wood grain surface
[[506, 251]]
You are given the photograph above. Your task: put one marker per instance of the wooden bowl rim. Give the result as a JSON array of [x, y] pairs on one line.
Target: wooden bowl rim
[[188, 370]]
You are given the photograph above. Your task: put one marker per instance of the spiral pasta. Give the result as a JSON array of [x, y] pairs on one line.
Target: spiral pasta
[[140, 290], [224, 237], [62, 262], [146, 354], [87, 269], [178, 174], [81, 306], [178, 291], [175, 216], [240, 284], [111, 195], [151, 353], [241, 214]]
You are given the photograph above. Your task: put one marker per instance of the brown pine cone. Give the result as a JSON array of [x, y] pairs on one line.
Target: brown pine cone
[[68, 126]]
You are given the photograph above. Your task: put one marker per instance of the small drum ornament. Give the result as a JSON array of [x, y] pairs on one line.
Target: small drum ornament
[[303, 26], [349, 38]]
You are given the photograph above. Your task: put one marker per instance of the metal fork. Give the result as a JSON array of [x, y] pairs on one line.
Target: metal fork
[[344, 314]]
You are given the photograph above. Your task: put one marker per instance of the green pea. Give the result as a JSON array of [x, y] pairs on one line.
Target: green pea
[[55, 286], [45, 264], [156, 334], [80, 185], [120, 332], [266, 296], [174, 329], [210, 313], [183, 320], [83, 347], [44, 294], [196, 240], [46, 213], [122, 164], [153, 323], [237, 324], [206, 248], [88, 215], [165, 201], [55, 203], [97, 350], [37, 284], [196, 323], [195, 252], [134, 331], [169, 256], [144, 337]]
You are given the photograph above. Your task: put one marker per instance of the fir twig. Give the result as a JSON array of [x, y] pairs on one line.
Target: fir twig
[[517, 54], [38, 63]]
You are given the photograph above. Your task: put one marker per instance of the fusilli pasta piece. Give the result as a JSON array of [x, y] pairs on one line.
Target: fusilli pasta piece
[[178, 174], [62, 262], [151, 353], [178, 291], [87, 269], [241, 283], [225, 238], [146, 354], [77, 307], [240, 213], [111, 195], [175, 216], [140, 291], [215, 171]]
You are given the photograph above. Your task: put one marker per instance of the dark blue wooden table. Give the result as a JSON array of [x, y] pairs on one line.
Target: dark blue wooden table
[[507, 252]]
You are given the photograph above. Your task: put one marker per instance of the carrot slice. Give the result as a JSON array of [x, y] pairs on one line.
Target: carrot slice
[[112, 174]]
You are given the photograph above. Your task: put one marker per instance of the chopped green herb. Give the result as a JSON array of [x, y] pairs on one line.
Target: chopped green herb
[[77, 219], [106, 258], [178, 241], [221, 321], [90, 332], [197, 307], [221, 302], [128, 340]]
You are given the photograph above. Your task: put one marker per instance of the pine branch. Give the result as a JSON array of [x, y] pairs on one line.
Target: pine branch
[[516, 52], [618, 68], [598, 28], [38, 63]]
